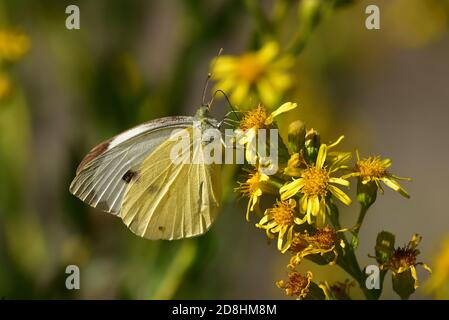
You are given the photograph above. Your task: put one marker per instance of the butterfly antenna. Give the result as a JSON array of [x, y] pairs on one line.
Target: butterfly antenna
[[227, 99], [209, 76]]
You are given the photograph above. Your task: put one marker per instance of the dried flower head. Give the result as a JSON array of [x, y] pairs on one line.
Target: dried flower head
[[404, 259], [297, 285], [323, 241]]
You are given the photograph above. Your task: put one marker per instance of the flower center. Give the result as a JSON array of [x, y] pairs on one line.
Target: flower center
[[403, 257], [249, 68], [325, 238], [254, 119], [283, 213], [371, 167], [316, 181]]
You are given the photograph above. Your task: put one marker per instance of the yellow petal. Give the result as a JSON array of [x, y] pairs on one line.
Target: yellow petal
[[340, 181], [386, 163], [266, 92], [315, 205], [240, 92], [395, 186], [282, 109], [264, 219], [289, 240], [321, 158], [303, 204], [290, 189], [414, 275], [281, 238], [336, 142], [340, 195], [279, 80], [426, 267], [268, 52]]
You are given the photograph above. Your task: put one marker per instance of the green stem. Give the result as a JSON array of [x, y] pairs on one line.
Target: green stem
[[263, 24], [347, 259], [311, 14], [362, 213], [180, 264]]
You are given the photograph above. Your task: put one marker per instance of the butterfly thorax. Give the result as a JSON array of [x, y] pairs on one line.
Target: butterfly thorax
[[203, 118]]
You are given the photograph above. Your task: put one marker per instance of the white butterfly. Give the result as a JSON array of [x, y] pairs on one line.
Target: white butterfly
[[132, 176]]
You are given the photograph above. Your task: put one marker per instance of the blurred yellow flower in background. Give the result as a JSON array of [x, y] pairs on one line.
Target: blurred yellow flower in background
[[253, 77], [13, 45], [438, 284], [420, 22], [5, 86]]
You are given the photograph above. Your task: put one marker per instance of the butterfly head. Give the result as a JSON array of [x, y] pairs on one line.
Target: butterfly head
[[203, 112]]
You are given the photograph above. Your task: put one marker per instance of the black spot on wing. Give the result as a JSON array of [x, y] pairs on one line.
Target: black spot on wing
[[127, 177]]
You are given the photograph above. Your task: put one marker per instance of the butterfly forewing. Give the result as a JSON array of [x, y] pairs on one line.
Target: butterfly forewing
[[103, 175]]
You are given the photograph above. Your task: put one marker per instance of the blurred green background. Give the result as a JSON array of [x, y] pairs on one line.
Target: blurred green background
[[131, 61]]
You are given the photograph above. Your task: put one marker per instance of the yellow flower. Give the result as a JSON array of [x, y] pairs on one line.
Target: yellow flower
[[262, 73], [404, 259], [297, 285], [13, 45], [323, 241], [5, 86], [253, 188], [374, 169], [280, 219], [314, 186], [254, 120], [439, 282]]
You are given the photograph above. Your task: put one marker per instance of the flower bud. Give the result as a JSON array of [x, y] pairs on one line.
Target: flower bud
[[403, 284], [296, 136], [366, 193], [384, 246], [311, 145]]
